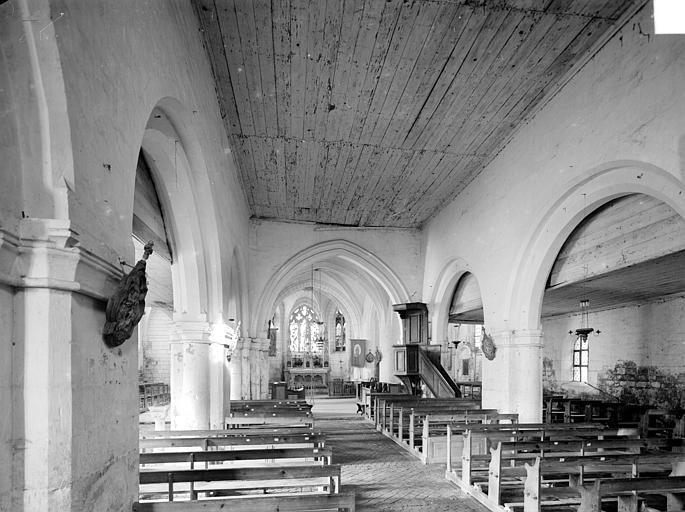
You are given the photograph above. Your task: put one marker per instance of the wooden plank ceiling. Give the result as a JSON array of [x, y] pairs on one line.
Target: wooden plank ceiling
[[378, 112]]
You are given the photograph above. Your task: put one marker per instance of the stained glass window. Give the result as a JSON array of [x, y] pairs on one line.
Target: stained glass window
[[339, 332], [581, 359], [304, 330]]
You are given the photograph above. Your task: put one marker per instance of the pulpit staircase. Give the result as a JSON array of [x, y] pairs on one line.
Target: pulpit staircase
[[418, 363]]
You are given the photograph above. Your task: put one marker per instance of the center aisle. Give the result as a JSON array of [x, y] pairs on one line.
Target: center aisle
[[384, 477]]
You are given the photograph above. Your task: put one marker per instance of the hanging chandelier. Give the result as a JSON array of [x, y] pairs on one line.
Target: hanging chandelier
[[584, 330]]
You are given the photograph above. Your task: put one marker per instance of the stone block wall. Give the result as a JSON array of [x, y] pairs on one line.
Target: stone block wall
[[649, 334], [648, 385]]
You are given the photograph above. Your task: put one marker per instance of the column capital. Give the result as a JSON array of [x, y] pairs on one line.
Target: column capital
[[518, 338], [46, 253], [190, 331]]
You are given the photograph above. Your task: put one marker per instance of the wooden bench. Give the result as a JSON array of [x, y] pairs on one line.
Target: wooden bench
[[589, 497], [306, 439], [506, 471], [385, 406], [281, 503], [248, 453], [393, 408], [232, 480], [257, 430], [477, 439], [268, 420], [369, 399], [433, 447], [412, 423]]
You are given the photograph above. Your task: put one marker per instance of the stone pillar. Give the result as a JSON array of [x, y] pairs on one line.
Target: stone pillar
[[217, 360], [255, 377], [512, 382], [192, 410], [261, 378], [236, 369], [69, 390], [245, 362], [175, 381]]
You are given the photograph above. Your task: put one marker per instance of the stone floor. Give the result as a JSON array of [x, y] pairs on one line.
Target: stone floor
[[384, 477]]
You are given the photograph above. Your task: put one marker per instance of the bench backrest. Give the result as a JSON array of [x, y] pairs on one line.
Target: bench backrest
[[275, 472], [290, 430], [282, 503], [235, 441], [235, 455]]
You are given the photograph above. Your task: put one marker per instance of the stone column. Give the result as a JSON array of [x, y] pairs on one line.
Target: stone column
[[192, 409], [175, 381], [69, 390], [264, 369], [512, 382], [255, 366], [236, 369], [246, 363], [217, 360]]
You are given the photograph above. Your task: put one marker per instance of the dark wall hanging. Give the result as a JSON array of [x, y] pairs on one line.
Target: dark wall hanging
[[488, 346], [126, 307]]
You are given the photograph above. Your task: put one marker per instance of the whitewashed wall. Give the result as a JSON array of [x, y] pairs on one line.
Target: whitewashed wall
[[616, 127]]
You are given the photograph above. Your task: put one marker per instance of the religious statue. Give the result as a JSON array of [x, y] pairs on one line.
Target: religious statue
[[126, 307]]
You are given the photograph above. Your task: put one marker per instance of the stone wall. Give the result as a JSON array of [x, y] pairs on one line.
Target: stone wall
[[74, 110], [649, 334], [620, 111], [648, 385]]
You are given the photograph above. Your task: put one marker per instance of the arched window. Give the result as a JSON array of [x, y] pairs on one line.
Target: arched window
[[581, 359], [339, 332], [304, 330]]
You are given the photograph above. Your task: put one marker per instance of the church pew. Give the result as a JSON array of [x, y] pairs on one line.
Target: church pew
[[571, 470], [235, 441], [476, 439], [411, 421], [260, 430], [162, 461], [257, 407], [224, 480], [434, 432], [384, 410], [248, 454], [281, 503], [395, 410], [589, 497], [252, 403], [268, 420], [370, 403]]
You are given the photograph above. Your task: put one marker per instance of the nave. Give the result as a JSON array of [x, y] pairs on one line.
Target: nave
[[383, 476]]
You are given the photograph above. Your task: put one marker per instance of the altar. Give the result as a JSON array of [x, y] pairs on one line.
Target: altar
[[313, 377]]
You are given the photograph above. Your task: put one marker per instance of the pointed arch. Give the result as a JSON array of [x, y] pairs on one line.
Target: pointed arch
[[340, 250], [180, 175]]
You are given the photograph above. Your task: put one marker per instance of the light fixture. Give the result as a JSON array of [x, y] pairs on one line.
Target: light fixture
[[584, 330]]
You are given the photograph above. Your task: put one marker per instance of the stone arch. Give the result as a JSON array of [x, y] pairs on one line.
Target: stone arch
[[334, 289], [587, 193], [235, 305], [365, 261], [446, 283], [180, 175]]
